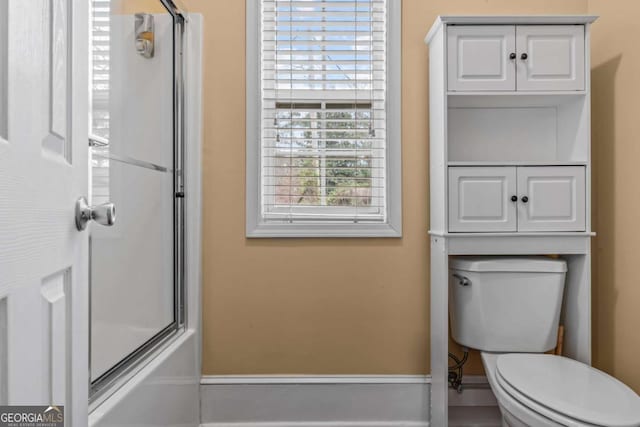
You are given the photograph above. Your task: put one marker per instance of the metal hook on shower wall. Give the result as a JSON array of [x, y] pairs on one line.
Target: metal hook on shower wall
[[144, 32]]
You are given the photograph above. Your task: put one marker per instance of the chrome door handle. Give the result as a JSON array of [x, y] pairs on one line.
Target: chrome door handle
[[104, 214]]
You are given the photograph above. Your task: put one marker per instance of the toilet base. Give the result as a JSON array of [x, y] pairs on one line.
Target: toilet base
[[510, 420], [514, 414]]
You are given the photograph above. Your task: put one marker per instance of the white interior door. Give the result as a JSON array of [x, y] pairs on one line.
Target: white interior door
[[552, 198], [482, 199], [481, 57], [550, 57], [43, 171]]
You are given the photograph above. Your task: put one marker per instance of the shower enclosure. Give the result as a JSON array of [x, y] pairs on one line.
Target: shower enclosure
[[136, 160]]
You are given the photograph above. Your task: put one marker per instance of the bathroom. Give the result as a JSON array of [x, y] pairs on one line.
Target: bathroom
[[287, 325]]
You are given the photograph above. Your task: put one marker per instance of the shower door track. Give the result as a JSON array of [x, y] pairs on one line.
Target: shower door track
[[107, 383]]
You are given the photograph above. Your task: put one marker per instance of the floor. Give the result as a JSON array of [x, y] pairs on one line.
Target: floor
[[474, 416]]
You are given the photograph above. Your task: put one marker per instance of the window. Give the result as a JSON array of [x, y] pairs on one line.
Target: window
[[323, 118]]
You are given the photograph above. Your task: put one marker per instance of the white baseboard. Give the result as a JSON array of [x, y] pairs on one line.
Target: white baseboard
[[315, 379], [320, 424], [476, 392], [476, 406], [315, 401]]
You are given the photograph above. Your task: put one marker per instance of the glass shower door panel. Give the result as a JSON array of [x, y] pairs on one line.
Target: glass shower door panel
[[132, 262]]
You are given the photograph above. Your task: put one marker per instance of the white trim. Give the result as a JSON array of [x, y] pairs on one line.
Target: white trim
[[518, 19], [324, 230], [476, 391], [253, 115], [516, 234], [255, 228], [507, 19], [193, 36], [4, 71], [315, 379], [394, 117], [315, 400], [321, 424]]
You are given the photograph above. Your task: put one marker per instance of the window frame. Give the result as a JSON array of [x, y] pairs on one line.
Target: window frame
[[255, 226]]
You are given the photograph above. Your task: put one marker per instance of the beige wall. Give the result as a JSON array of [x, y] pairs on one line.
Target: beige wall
[[274, 306], [124, 7], [616, 152], [323, 306], [303, 306], [361, 306]]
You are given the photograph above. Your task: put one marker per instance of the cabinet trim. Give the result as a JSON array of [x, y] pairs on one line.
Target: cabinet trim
[[447, 20]]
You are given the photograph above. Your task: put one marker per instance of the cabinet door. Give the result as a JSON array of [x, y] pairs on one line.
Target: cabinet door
[[480, 57], [480, 199], [550, 57], [551, 198]]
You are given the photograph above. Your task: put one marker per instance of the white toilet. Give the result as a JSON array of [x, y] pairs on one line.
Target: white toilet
[[509, 308]]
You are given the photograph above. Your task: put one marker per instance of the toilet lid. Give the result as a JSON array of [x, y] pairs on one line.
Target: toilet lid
[[571, 388]]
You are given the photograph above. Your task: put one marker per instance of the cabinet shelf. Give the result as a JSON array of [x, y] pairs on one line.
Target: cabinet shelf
[[515, 243], [508, 99], [516, 163], [503, 129], [516, 93], [515, 234]]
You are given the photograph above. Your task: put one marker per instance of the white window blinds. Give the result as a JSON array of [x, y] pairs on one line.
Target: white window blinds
[[323, 130], [100, 69], [100, 30]]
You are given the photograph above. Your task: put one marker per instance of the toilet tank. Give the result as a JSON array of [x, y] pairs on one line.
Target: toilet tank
[[506, 304]]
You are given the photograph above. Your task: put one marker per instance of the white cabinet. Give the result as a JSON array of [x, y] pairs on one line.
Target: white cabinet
[[551, 198], [479, 57], [480, 199], [550, 57], [509, 161], [516, 58], [510, 198]]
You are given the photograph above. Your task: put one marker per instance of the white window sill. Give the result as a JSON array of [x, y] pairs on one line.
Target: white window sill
[[323, 230]]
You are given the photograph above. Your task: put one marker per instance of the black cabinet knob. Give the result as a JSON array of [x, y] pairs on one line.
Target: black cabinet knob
[[524, 56], [525, 199], [514, 198], [512, 55]]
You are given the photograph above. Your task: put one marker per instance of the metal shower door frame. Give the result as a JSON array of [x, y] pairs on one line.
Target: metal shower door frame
[[106, 384]]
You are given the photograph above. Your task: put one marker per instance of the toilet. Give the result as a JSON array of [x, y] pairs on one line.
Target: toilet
[[509, 309]]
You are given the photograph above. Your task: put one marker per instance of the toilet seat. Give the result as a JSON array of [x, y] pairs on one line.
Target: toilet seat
[[529, 405], [566, 391]]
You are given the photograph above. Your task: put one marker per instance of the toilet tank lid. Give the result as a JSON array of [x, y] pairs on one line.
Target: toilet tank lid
[[539, 264]]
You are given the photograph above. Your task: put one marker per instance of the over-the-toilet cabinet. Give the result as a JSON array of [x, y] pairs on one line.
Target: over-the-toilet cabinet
[[517, 140], [522, 198], [516, 57], [509, 162]]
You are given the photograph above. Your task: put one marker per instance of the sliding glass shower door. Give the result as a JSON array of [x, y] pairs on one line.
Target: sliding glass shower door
[[135, 289]]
